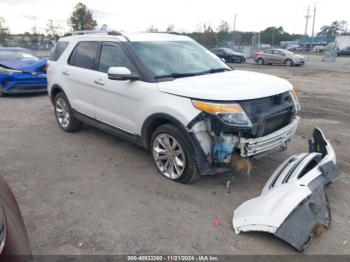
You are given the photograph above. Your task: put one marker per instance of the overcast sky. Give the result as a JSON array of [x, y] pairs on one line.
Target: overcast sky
[[186, 15]]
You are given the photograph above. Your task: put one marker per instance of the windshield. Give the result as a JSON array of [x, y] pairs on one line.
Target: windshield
[[287, 52], [230, 51], [177, 58], [17, 55]]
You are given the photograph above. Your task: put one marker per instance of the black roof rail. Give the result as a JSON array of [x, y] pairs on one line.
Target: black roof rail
[[165, 32], [114, 33], [175, 33]]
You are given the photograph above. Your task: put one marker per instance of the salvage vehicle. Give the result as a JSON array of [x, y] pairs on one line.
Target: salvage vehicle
[[278, 56], [229, 55], [14, 240], [21, 72], [170, 95]]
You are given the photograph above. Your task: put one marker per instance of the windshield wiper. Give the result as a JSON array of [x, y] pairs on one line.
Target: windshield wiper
[[178, 75], [216, 70]]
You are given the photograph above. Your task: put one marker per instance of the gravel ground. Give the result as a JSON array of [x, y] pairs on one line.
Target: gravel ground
[[92, 193]]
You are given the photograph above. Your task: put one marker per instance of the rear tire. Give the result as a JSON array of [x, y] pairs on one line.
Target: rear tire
[[64, 114], [260, 61], [173, 155]]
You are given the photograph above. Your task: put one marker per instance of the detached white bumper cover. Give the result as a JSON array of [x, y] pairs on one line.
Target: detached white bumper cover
[[293, 205]]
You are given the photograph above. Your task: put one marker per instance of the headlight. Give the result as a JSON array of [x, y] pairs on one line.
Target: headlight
[[295, 99], [231, 114], [8, 71]]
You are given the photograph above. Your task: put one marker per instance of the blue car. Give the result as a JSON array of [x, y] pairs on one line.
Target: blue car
[[21, 72]]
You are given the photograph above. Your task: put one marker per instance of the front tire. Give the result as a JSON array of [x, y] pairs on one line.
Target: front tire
[[172, 154], [64, 114], [288, 62]]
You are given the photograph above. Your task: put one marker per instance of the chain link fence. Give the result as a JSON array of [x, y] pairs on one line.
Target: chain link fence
[[40, 45]]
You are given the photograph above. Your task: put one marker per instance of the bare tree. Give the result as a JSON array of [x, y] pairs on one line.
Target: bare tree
[[152, 29], [52, 29], [170, 28], [4, 30]]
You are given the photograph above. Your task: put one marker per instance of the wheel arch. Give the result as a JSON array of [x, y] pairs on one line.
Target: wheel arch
[[153, 122], [54, 91], [156, 120]]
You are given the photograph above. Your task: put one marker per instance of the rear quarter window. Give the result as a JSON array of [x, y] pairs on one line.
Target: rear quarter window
[[58, 50]]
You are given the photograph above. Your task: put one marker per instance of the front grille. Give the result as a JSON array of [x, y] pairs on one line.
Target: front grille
[[268, 114], [277, 122]]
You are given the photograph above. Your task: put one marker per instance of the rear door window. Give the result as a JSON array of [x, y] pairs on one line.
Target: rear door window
[[58, 50], [84, 55]]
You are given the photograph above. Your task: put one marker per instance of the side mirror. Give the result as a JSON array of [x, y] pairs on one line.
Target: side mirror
[[223, 60], [121, 73]]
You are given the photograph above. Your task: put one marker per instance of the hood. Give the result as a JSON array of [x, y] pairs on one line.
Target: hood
[[237, 53], [26, 65], [226, 86], [298, 56]]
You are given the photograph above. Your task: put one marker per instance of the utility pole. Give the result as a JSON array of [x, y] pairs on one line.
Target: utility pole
[[234, 31], [313, 28], [273, 37], [307, 21]]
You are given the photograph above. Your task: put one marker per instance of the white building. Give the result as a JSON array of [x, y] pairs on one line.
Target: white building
[[343, 41]]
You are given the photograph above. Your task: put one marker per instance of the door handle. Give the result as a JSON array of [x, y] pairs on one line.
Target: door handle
[[99, 82], [65, 73]]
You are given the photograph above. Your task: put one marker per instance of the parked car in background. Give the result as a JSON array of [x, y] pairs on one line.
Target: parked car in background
[[292, 47], [230, 55], [21, 72], [278, 56], [13, 234], [345, 51]]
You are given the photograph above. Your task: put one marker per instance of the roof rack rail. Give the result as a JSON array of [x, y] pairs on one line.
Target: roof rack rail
[[171, 32], [86, 32], [175, 33]]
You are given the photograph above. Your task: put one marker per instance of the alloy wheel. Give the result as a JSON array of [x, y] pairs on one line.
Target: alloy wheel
[[169, 156], [62, 112]]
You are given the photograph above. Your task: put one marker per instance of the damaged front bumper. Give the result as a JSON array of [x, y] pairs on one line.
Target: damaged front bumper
[[293, 205], [275, 141], [219, 147]]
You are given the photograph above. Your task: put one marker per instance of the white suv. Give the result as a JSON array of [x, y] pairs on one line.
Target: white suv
[[168, 94]]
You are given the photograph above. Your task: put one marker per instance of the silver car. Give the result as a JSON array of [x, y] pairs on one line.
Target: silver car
[[278, 56]]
